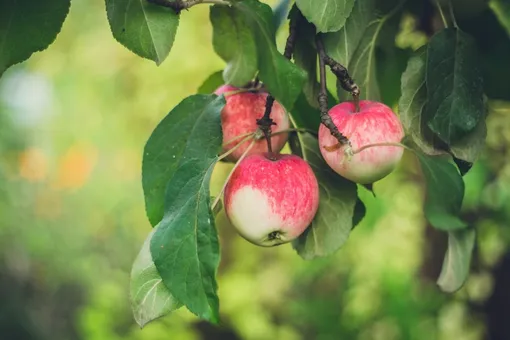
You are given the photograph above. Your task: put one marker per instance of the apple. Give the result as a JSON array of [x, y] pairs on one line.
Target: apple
[[374, 123], [239, 116], [271, 202]]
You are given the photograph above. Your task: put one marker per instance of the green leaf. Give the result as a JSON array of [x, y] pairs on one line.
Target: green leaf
[[341, 45], [212, 83], [454, 85], [233, 41], [444, 192], [412, 103], [146, 29], [457, 260], [502, 10], [185, 247], [336, 215], [150, 299], [167, 146], [283, 79], [280, 12], [326, 15], [390, 64], [28, 26]]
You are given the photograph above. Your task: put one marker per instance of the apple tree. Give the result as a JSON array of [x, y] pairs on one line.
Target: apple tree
[[435, 109]]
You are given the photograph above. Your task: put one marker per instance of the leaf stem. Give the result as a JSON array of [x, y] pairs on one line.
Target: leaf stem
[[452, 14], [179, 5], [217, 199], [364, 147], [222, 156], [239, 137], [443, 18], [323, 95]]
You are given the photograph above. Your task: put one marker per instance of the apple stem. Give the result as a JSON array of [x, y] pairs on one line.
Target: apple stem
[[179, 5], [323, 95], [266, 122], [217, 199]]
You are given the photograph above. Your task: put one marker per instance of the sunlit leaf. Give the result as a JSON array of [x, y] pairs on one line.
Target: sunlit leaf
[[338, 211], [150, 299], [185, 246], [444, 192], [326, 15], [454, 85], [283, 79], [233, 41], [28, 26], [146, 29], [457, 260], [502, 10]]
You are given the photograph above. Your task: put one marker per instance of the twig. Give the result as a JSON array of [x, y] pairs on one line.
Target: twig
[[266, 122], [323, 96], [445, 23], [340, 72], [179, 5]]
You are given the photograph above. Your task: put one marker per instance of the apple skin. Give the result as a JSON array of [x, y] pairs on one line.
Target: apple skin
[[271, 202], [239, 116], [375, 123]]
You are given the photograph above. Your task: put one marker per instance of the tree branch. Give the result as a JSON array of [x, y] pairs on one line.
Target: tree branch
[[323, 95], [179, 5], [266, 122]]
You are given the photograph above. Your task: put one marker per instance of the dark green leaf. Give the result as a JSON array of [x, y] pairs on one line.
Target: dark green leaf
[[454, 85], [280, 12], [326, 15], [144, 28], [342, 44], [502, 10], [469, 147], [338, 198], [457, 260], [445, 191], [167, 146], [360, 210], [283, 79], [28, 26], [212, 83], [150, 299], [185, 247], [233, 41], [390, 64], [412, 103]]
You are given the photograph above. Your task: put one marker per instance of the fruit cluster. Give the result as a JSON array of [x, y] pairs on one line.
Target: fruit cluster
[[272, 199]]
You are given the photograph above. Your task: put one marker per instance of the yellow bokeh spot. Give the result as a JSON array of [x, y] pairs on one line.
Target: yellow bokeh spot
[[33, 165]]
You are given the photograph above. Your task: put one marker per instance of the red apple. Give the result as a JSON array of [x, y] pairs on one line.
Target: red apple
[[374, 123], [239, 116], [271, 202]]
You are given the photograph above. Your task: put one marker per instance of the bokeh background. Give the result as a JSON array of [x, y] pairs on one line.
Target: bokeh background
[[73, 123]]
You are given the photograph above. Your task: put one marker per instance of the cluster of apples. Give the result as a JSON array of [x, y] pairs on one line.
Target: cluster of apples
[[272, 200]]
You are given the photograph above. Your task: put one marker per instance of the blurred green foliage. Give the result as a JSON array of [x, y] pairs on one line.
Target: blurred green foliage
[[73, 123]]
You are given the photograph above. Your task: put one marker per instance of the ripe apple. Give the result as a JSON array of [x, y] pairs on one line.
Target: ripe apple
[[239, 116], [271, 202], [374, 123]]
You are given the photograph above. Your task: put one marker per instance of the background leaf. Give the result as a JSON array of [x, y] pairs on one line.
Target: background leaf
[[454, 85], [28, 26], [144, 28], [457, 260], [280, 12], [150, 299], [502, 10], [185, 246], [283, 79], [233, 41], [444, 192], [212, 83], [326, 15], [333, 222]]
